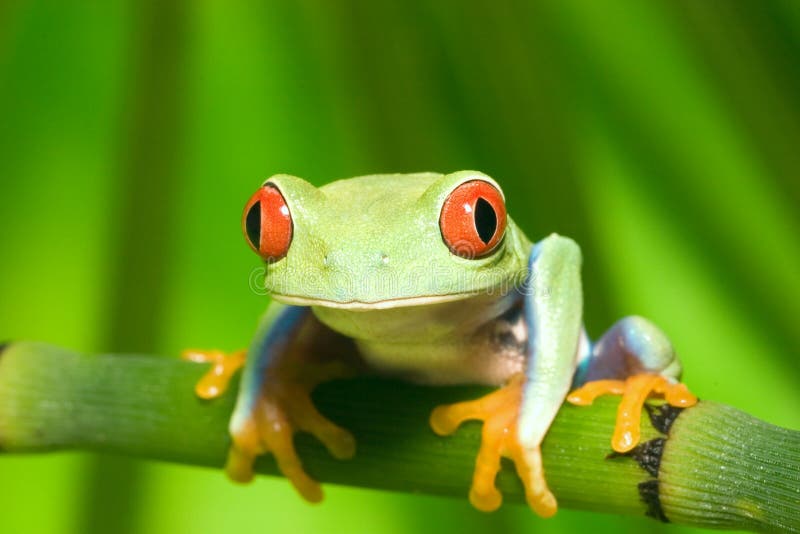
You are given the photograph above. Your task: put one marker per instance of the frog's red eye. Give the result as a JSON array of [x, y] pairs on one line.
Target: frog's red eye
[[267, 223], [473, 219]]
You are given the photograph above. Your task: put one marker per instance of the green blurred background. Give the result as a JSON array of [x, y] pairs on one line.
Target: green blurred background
[[663, 136]]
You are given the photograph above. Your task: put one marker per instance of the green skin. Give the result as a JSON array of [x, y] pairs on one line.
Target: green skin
[[372, 243], [368, 257]]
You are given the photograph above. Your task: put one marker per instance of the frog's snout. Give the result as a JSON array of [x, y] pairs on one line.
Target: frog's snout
[[353, 275], [350, 261]]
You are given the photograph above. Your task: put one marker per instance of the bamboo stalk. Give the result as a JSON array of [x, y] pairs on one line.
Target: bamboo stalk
[[708, 466]]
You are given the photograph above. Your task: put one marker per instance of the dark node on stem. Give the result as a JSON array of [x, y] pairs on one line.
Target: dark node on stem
[[662, 416], [647, 455], [648, 491]]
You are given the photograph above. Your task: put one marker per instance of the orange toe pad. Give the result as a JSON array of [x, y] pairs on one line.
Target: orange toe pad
[[499, 412], [215, 382], [635, 391]]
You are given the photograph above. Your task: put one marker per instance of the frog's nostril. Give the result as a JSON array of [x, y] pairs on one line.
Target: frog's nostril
[[384, 259], [334, 259]]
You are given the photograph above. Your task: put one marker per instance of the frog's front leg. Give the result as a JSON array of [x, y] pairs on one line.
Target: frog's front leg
[[517, 417], [292, 353], [634, 359]]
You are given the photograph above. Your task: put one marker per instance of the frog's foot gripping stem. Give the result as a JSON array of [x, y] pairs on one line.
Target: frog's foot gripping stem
[[499, 412], [283, 408], [215, 382], [635, 390]]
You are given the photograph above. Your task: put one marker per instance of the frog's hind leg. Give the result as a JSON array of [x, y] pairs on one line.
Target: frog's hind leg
[[634, 359]]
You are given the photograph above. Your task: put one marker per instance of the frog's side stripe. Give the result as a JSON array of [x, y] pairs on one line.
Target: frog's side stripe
[[273, 338], [585, 351]]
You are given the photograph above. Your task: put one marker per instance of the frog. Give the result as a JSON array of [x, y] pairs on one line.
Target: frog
[[425, 277]]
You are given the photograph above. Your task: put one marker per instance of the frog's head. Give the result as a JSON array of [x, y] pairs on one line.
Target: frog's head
[[384, 241]]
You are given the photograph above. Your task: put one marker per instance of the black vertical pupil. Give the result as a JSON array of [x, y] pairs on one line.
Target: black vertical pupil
[[253, 225], [485, 220]]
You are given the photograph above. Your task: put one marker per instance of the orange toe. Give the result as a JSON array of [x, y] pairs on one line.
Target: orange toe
[[586, 394], [215, 382], [626, 432], [635, 391], [499, 412], [679, 395]]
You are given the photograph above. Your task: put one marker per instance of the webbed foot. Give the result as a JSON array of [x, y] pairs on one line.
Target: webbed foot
[[635, 390], [215, 382], [499, 412], [285, 407]]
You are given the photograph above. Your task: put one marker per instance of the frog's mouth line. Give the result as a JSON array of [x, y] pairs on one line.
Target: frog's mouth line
[[358, 305]]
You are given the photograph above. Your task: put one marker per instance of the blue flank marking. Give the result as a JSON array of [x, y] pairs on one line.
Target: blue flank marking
[[528, 304], [264, 351], [579, 378]]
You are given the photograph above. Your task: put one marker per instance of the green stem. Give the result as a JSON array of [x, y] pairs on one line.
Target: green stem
[[714, 467]]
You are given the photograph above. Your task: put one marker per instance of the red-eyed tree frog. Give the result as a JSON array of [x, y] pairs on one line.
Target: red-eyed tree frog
[[425, 277]]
